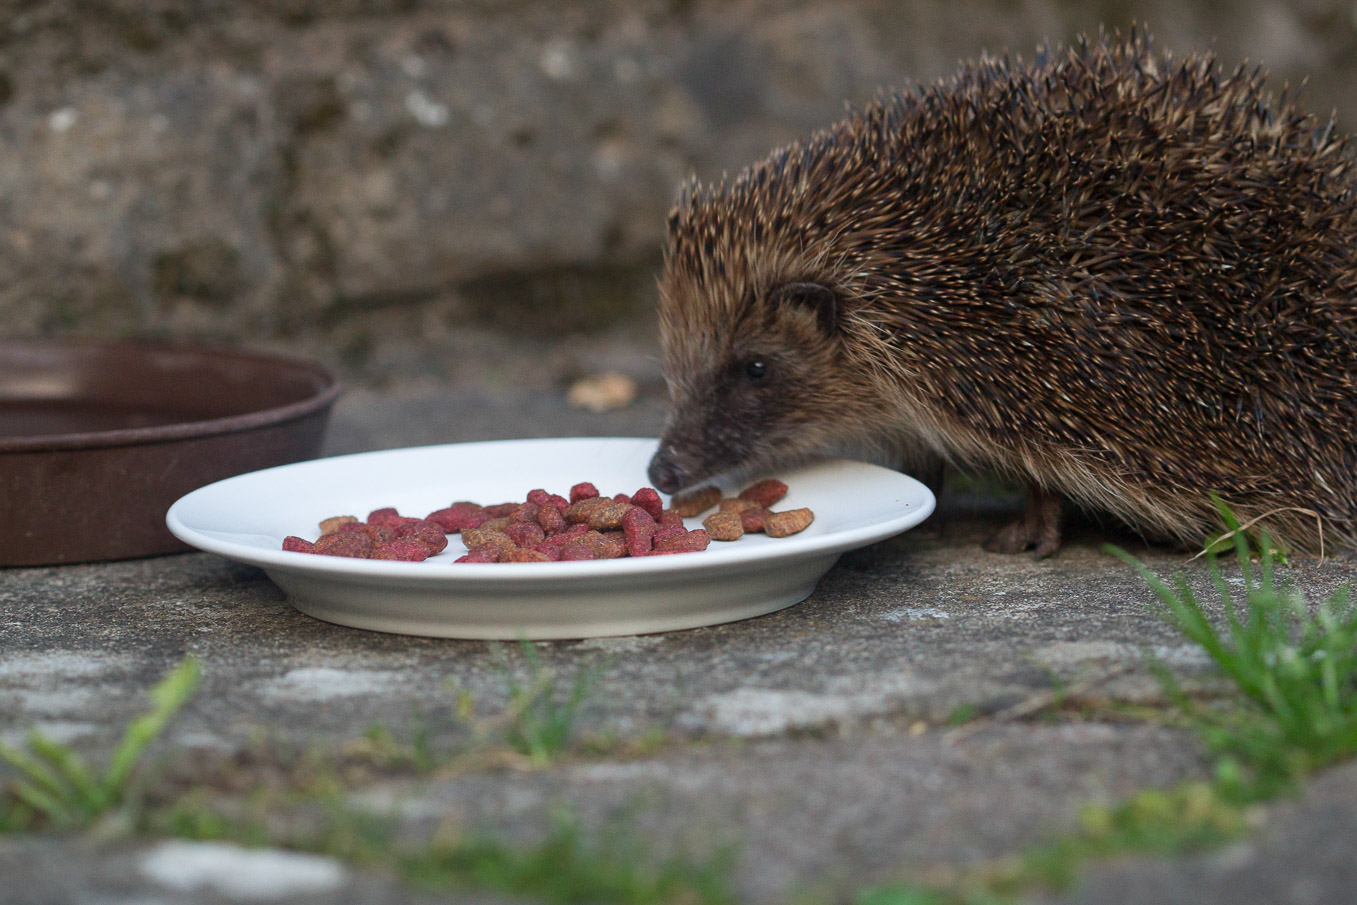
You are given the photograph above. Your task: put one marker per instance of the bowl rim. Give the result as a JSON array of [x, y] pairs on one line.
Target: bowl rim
[[329, 390]]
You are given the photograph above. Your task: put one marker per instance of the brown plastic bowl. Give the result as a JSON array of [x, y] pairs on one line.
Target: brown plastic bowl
[[98, 438]]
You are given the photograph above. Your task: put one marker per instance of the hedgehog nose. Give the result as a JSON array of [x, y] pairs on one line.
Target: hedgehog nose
[[663, 473]]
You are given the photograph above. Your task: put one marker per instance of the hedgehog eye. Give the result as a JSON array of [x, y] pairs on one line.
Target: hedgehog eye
[[756, 370]]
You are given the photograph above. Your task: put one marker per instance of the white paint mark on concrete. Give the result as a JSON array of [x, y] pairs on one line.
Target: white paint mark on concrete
[[320, 683], [46, 666], [241, 874], [749, 712], [910, 613], [62, 120], [623, 645], [63, 731], [427, 111], [59, 702], [558, 59]]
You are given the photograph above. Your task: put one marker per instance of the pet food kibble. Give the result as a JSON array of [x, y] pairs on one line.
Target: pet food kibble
[[527, 512], [460, 516], [664, 532], [580, 509], [583, 491], [591, 545], [550, 519], [765, 493], [724, 526], [388, 517], [781, 524], [689, 542], [525, 534], [497, 524], [648, 498], [424, 532], [752, 519], [331, 525], [547, 527], [519, 554], [404, 549], [356, 544], [695, 502], [478, 537], [638, 528], [608, 517]]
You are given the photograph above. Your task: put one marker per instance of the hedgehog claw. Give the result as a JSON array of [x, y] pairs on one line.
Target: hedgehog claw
[[1038, 528]]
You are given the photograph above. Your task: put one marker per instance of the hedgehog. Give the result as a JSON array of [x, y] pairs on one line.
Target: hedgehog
[[1125, 280]]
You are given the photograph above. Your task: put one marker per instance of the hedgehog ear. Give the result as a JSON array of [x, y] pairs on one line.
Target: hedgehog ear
[[816, 298]]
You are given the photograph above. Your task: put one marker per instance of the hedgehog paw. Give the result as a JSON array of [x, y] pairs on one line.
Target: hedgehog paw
[[1039, 528]]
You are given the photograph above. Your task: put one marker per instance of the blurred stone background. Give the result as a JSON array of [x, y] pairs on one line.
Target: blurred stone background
[[411, 187]]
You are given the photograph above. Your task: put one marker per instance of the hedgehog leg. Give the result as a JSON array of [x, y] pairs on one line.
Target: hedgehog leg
[[1039, 527]]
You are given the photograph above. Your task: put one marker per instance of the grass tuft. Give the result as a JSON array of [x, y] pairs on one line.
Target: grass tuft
[[56, 789], [543, 712], [1295, 664]]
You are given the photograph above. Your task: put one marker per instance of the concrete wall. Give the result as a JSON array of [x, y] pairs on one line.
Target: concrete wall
[[298, 170]]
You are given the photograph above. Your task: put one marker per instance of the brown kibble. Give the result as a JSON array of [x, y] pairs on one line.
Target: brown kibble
[[781, 524], [519, 554], [753, 519], [502, 510], [497, 524], [354, 544], [695, 502], [765, 493], [737, 505], [608, 517], [579, 510], [406, 549], [724, 526], [594, 545], [332, 524], [481, 537], [688, 542]]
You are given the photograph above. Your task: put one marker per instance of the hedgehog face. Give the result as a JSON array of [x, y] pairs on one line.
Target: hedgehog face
[[749, 379]]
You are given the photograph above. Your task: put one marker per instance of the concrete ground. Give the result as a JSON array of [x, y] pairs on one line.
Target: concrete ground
[[814, 742]]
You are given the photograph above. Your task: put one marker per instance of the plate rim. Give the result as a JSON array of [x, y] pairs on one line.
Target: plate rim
[[377, 571]]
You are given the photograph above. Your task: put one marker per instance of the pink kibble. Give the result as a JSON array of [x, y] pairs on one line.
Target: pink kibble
[[648, 498], [526, 534], [388, 517], [639, 529], [294, 544], [582, 491]]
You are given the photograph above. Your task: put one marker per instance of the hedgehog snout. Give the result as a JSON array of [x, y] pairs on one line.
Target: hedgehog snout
[[665, 473]]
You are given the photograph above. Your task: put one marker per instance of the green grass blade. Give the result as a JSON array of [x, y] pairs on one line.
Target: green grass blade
[[167, 697], [87, 793], [38, 774]]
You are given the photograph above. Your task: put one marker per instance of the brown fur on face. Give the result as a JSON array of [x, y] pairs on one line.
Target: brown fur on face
[[1125, 279]]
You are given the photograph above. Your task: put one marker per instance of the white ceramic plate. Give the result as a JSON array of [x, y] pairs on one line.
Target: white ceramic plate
[[245, 518]]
